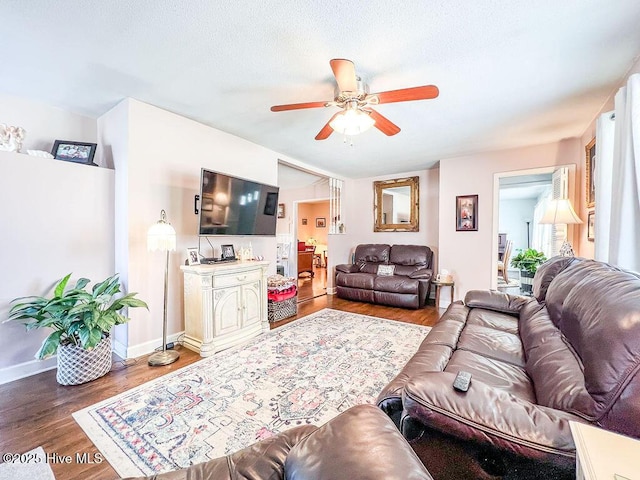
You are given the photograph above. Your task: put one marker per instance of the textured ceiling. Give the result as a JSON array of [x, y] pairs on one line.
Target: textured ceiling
[[510, 72]]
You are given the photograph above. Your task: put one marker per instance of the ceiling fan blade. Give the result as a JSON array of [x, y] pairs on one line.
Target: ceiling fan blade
[[345, 73], [406, 94], [297, 106], [383, 124], [327, 130]]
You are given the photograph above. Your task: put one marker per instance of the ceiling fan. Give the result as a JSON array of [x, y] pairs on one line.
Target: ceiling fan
[[355, 101]]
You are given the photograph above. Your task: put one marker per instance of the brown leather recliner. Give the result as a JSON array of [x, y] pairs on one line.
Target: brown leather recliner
[[361, 443], [570, 353], [407, 286]]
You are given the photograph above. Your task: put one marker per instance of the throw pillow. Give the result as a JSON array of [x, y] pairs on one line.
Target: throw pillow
[[386, 270]]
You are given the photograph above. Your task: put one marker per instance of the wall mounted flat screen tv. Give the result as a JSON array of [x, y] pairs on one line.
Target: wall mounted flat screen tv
[[235, 206]]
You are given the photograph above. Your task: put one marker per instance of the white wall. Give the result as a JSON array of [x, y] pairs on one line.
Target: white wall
[[513, 217], [164, 156], [57, 218], [470, 255], [44, 124]]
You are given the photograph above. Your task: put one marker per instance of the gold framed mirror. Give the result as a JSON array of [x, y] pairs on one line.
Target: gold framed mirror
[[396, 205]]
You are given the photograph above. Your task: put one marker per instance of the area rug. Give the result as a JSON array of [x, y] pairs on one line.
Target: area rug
[[306, 372], [31, 465]]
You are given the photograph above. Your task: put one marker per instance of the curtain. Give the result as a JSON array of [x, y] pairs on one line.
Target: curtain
[[542, 232], [624, 233], [605, 130]]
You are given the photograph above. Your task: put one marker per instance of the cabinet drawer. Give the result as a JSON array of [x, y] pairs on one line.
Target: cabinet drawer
[[235, 278]]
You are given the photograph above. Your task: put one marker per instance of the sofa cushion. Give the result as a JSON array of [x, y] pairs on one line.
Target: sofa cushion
[[547, 272], [356, 280], [413, 255], [372, 253], [395, 284], [496, 374], [555, 369], [495, 320], [492, 343]]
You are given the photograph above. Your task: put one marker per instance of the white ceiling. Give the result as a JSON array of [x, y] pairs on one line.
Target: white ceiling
[[510, 72]]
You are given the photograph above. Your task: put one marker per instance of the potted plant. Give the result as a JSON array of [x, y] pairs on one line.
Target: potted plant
[[527, 262], [81, 322]]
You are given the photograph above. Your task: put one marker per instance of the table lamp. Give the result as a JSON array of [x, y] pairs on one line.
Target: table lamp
[[560, 212]]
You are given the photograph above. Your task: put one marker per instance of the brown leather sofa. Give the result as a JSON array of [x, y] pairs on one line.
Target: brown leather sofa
[[571, 353], [361, 443], [408, 285]]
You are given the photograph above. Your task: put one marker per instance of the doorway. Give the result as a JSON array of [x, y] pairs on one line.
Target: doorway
[[313, 239], [303, 227], [520, 200]]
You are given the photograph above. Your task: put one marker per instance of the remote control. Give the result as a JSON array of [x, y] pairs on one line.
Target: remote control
[[462, 381]]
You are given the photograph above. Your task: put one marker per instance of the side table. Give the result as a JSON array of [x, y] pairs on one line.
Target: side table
[[438, 285]]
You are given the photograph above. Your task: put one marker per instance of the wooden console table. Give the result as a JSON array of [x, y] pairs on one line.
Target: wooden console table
[[224, 304]]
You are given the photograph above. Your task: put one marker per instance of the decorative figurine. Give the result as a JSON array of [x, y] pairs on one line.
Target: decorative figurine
[[11, 138]]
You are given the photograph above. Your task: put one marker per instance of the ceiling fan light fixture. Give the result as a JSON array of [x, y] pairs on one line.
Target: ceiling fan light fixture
[[352, 122]]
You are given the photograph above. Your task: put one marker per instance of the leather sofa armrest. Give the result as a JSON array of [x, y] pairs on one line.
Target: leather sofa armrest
[[362, 442], [491, 416], [347, 268], [496, 301], [422, 274], [264, 459]]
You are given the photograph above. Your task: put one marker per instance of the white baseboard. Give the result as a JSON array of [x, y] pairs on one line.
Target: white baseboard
[[332, 291], [134, 351], [33, 367], [26, 369]]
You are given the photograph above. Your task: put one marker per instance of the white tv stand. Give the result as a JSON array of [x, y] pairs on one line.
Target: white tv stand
[[224, 304]]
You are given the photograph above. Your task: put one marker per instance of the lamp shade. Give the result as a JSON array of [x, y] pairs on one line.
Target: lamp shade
[[352, 122], [161, 235], [560, 212]]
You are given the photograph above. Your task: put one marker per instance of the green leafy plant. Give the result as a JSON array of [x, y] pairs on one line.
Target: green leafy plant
[[528, 260], [77, 316]]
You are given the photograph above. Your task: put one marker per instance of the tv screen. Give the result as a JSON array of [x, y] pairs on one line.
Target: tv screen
[[235, 206]]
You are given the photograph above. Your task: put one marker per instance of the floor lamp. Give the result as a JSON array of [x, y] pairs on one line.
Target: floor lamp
[[560, 212], [161, 236]]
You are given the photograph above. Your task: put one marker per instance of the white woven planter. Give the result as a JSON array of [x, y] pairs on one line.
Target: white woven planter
[[77, 365]]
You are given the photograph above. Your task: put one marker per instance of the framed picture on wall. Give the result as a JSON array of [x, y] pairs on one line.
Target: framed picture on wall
[[321, 222], [281, 210], [591, 226], [467, 213], [590, 169], [304, 221]]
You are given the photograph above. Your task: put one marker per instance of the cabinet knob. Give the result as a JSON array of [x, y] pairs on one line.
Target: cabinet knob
[[241, 277]]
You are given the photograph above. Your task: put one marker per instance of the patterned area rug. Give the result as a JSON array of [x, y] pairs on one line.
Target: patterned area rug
[[306, 372]]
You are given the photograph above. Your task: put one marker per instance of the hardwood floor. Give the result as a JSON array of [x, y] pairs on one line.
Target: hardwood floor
[[36, 411], [311, 287]]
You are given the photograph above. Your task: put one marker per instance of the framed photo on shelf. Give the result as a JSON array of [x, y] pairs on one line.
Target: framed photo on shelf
[[467, 213], [590, 154], [591, 226], [321, 222], [228, 253], [78, 152], [281, 210], [193, 257]]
